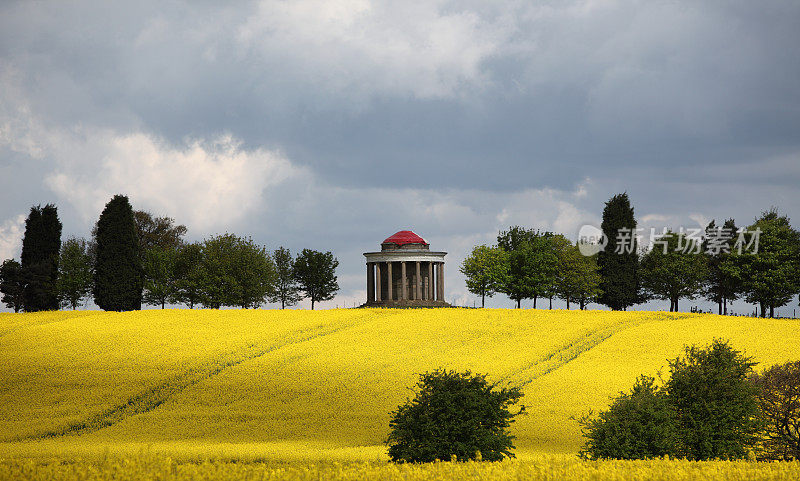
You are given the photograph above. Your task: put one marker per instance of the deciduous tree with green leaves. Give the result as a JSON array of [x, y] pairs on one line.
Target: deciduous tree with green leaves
[[189, 274], [236, 272], [159, 276], [316, 274], [577, 278], [12, 284], [779, 399], [715, 402], [770, 275], [255, 274], [160, 232], [454, 414], [531, 264], [286, 290], [673, 268], [485, 270], [638, 425], [724, 282], [74, 272]]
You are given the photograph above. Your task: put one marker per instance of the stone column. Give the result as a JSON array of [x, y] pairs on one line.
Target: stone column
[[440, 274], [403, 293], [378, 278], [370, 282], [430, 281], [389, 282], [418, 287]]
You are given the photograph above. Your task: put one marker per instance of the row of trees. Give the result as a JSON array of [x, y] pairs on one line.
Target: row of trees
[[529, 264], [135, 258], [760, 264], [228, 270]]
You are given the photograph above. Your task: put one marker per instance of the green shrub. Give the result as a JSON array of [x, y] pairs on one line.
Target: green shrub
[[453, 415], [706, 410], [779, 400], [716, 404], [638, 425]]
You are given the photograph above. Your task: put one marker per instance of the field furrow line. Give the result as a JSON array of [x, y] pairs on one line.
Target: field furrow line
[[571, 350], [157, 395]]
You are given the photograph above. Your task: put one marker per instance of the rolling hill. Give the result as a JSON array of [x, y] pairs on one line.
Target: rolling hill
[[320, 384]]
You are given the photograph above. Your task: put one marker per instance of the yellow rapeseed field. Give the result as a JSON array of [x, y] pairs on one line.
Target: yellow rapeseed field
[[307, 394]]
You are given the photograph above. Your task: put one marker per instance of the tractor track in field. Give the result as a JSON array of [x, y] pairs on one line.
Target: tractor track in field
[[157, 395], [570, 351], [13, 329]]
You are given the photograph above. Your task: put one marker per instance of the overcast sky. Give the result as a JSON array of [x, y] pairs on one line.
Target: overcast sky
[[333, 124]]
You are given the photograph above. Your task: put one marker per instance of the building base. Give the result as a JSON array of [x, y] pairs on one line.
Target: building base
[[406, 304]]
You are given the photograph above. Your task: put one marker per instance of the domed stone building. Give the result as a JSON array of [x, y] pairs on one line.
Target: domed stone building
[[405, 273]]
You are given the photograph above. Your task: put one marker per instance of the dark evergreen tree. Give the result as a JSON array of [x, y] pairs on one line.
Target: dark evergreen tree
[[74, 272], [618, 262], [118, 272], [286, 290], [316, 274], [40, 251], [12, 285]]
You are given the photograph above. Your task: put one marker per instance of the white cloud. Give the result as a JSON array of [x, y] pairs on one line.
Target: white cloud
[[454, 221], [414, 47], [204, 184], [655, 218], [17, 122], [701, 220], [11, 232]]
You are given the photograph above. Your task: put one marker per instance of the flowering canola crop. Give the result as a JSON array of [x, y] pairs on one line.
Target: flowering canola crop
[[317, 386]]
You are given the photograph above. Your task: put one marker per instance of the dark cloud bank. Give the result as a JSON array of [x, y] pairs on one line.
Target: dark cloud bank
[[335, 124]]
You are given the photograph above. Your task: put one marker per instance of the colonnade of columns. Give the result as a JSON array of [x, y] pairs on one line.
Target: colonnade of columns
[[405, 281]]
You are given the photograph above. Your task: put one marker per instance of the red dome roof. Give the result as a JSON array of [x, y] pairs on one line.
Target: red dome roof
[[404, 237]]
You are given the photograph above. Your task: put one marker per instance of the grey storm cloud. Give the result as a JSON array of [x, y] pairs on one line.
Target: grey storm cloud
[[345, 121]]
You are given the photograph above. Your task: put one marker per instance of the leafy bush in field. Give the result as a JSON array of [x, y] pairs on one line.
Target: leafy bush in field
[[638, 425], [453, 415], [715, 401], [779, 400], [706, 410]]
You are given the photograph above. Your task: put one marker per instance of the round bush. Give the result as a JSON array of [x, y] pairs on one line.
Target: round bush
[[638, 425], [453, 416]]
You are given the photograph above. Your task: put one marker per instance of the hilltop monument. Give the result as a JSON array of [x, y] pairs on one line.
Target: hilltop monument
[[405, 273]]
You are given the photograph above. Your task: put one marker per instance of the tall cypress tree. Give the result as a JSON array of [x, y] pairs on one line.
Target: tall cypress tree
[[619, 262], [40, 249], [118, 272]]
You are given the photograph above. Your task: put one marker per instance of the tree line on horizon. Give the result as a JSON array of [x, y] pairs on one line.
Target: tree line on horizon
[[531, 264], [135, 258]]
